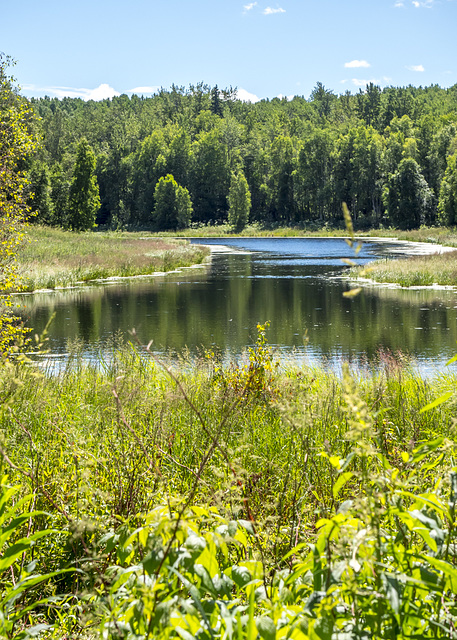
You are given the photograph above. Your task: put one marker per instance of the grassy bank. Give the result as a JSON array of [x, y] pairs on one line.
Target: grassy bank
[[438, 269], [229, 502], [434, 235], [55, 258]]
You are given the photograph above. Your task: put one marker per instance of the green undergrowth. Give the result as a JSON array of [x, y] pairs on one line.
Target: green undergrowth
[[55, 258], [209, 500]]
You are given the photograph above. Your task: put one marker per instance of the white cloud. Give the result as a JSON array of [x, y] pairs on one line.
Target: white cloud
[[356, 64], [399, 4], [288, 98], [360, 83], [142, 91], [269, 11], [248, 7], [416, 67], [427, 4], [245, 96], [100, 93]]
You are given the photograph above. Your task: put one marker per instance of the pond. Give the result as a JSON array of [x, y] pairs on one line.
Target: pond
[[296, 284]]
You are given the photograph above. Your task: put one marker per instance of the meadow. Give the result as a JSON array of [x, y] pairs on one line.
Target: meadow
[[51, 258], [165, 499]]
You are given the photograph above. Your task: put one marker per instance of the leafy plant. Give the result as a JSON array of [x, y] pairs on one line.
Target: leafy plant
[[20, 608]]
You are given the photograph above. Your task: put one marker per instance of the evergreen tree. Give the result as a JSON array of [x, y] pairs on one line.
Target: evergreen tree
[[239, 200], [60, 188], [447, 206], [40, 201], [216, 106], [173, 206], [84, 195]]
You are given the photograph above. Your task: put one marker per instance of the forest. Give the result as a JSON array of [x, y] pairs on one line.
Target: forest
[[198, 156]]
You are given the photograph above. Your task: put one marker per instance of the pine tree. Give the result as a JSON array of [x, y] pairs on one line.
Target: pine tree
[[84, 195], [216, 106]]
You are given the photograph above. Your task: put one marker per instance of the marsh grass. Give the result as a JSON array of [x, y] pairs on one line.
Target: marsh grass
[[435, 269], [248, 497], [56, 258], [107, 419], [433, 235]]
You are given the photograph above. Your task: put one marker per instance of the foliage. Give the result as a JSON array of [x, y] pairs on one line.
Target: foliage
[[19, 580], [84, 199], [408, 197], [301, 158], [199, 507], [173, 206], [239, 200], [447, 205], [17, 142]]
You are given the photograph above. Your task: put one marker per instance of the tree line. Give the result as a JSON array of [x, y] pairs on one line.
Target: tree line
[[199, 155]]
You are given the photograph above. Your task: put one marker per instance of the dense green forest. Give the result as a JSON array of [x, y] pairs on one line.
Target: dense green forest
[[180, 156]]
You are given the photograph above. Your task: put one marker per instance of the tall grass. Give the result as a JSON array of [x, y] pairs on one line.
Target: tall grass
[[56, 258], [241, 501], [434, 235], [439, 269]]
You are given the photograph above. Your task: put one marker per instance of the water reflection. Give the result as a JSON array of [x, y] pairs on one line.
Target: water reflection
[[293, 284]]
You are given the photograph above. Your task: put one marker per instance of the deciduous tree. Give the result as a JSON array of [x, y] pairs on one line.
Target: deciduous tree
[[447, 206], [17, 142], [408, 197], [173, 206], [239, 199]]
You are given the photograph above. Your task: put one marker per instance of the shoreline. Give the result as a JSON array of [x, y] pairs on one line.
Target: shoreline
[[111, 280], [410, 247], [398, 246]]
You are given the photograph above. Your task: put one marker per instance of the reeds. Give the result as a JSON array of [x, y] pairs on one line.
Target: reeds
[[55, 258], [436, 269], [247, 496]]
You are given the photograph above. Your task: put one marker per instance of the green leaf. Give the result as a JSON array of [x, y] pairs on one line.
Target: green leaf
[[240, 576], [266, 627], [449, 571], [342, 480], [11, 554], [392, 588], [437, 402]]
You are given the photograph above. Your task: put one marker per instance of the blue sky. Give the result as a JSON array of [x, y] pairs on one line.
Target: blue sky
[[100, 48]]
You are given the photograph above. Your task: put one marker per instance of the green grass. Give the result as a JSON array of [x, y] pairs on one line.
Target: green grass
[[434, 235], [140, 465], [55, 258], [435, 269]]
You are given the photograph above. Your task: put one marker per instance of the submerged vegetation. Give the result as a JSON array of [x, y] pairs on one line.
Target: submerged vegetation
[[235, 501], [55, 258]]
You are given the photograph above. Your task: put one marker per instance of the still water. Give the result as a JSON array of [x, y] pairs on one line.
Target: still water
[[295, 284]]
